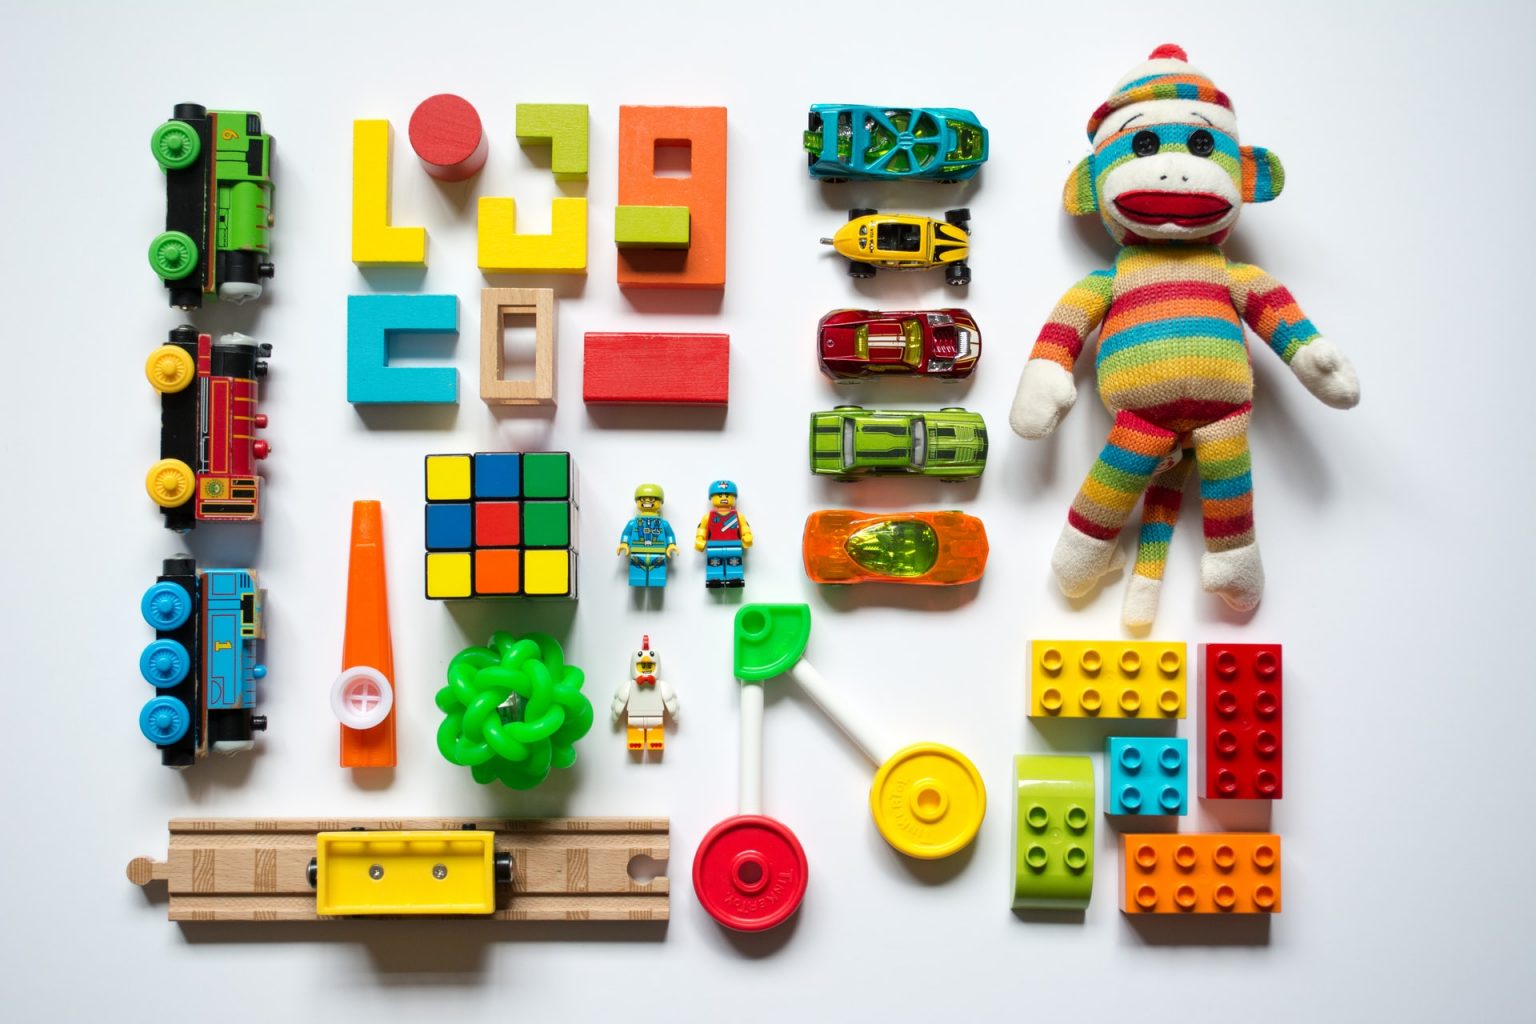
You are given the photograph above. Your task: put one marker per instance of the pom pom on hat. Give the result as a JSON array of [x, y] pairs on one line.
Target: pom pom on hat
[[1169, 51]]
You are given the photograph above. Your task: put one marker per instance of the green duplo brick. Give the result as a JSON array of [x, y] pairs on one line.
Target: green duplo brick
[[651, 227], [1053, 832], [546, 475], [546, 524]]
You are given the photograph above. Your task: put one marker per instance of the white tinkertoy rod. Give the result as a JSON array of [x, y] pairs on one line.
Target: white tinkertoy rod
[[749, 797]]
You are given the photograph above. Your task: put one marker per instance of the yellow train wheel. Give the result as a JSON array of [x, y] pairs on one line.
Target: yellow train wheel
[[169, 369], [170, 483], [928, 801]]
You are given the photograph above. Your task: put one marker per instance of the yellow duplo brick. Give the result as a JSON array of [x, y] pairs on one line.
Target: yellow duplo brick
[[375, 242], [448, 574], [546, 572], [502, 250], [1107, 679], [448, 478]]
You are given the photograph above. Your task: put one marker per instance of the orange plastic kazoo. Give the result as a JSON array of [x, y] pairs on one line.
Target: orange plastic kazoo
[[364, 691], [930, 548]]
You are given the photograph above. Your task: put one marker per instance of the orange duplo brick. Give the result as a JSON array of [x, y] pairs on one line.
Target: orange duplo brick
[[1200, 873], [701, 131], [367, 639], [497, 571]]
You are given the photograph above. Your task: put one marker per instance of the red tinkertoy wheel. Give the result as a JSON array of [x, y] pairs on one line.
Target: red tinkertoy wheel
[[749, 873]]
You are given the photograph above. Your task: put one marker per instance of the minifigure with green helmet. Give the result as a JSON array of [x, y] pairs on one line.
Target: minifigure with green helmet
[[648, 541]]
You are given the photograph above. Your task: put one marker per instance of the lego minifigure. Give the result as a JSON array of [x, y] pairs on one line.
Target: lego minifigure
[[644, 700], [648, 541], [724, 536]]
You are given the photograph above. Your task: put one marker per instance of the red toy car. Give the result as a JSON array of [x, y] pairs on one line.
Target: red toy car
[[853, 344]]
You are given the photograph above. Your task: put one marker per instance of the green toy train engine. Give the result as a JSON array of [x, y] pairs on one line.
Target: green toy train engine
[[218, 205]]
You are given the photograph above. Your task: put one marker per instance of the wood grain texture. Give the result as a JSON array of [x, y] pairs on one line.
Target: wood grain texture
[[647, 368], [564, 869], [496, 304]]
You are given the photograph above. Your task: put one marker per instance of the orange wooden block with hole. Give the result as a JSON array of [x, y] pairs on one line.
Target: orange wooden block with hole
[[692, 145], [648, 368], [1200, 873], [363, 696]]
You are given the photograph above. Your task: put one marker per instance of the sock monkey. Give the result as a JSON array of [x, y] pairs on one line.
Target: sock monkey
[[1167, 177]]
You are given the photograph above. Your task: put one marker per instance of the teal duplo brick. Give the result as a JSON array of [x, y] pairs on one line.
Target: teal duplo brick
[[1053, 832], [1146, 775]]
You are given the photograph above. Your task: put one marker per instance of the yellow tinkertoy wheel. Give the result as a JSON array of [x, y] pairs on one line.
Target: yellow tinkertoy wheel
[[928, 801], [170, 483], [169, 369]]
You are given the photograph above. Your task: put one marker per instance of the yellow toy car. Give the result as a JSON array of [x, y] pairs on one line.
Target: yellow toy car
[[902, 241]]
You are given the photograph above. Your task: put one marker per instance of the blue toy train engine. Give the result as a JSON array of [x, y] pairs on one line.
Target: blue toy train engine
[[202, 662]]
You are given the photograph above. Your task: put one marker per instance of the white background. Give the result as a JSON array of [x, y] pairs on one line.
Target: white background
[[1395, 536]]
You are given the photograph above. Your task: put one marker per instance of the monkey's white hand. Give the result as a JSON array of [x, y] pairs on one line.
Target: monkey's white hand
[[1327, 373], [1045, 394]]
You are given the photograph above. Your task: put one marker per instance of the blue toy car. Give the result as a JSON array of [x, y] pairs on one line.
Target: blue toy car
[[894, 143]]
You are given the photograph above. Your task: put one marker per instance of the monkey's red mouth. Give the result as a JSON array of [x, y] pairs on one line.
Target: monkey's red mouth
[[1185, 209]]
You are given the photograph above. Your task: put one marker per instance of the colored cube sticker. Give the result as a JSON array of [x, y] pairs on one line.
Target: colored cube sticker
[[1053, 832], [501, 524], [1146, 775], [1240, 713], [1106, 679]]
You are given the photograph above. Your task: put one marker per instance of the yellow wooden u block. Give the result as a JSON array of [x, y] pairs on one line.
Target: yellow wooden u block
[[503, 250]]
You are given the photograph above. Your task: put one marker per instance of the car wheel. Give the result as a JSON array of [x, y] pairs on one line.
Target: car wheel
[[960, 218], [856, 214], [833, 181], [957, 274], [860, 270]]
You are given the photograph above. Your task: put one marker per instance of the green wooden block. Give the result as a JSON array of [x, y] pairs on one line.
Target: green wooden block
[[1053, 832], [546, 524], [650, 227], [564, 127], [546, 475]]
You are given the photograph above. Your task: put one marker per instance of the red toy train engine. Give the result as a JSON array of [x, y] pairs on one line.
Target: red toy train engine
[[208, 424]]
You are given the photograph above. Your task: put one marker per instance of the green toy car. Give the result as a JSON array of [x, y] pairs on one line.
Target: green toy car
[[851, 441]]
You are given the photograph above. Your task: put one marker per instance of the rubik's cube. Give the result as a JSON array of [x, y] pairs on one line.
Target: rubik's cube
[[501, 524]]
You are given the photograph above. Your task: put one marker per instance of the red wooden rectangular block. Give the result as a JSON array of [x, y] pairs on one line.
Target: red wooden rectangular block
[[644, 368]]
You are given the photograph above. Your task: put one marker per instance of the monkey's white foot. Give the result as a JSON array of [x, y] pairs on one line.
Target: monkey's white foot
[[1080, 561], [1140, 606], [1236, 575]]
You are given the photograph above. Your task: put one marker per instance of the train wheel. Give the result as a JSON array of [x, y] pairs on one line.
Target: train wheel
[[170, 483], [165, 606], [170, 369], [164, 663], [164, 720], [173, 255], [175, 145]]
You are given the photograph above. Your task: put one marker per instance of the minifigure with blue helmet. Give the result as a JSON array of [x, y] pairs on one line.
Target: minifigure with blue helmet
[[723, 536]]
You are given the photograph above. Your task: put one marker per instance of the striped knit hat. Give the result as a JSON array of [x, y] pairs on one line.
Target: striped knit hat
[[1165, 75]]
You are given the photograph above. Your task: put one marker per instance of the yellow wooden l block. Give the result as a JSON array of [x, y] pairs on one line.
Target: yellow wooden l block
[[503, 250], [374, 241]]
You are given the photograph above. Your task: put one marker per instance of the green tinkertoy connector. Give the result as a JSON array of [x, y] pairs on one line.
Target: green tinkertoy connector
[[769, 639], [1053, 832], [512, 710]]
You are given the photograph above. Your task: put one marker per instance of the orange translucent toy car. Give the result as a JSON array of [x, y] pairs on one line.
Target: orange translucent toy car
[[931, 548]]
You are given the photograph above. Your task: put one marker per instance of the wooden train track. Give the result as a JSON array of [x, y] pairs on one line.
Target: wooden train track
[[563, 869]]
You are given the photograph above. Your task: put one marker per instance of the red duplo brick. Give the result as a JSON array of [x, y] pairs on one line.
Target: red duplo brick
[[1240, 721]]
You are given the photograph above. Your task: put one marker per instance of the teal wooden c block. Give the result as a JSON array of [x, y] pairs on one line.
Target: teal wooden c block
[[371, 319]]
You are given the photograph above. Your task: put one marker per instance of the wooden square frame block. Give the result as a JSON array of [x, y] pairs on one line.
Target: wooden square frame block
[[496, 304]]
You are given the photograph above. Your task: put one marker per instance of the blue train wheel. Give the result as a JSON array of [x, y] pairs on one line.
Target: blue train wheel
[[164, 720], [166, 606], [164, 663]]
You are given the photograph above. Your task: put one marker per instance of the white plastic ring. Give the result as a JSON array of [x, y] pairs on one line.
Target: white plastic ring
[[361, 697]]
